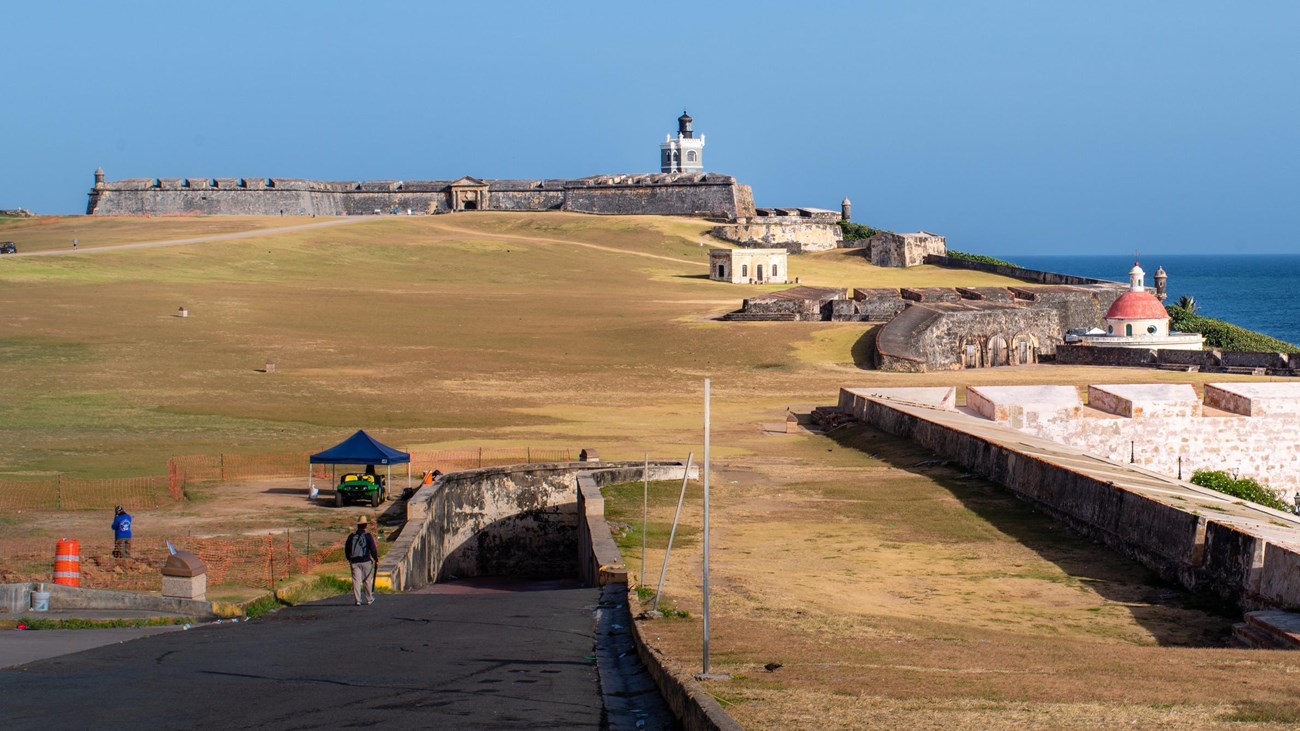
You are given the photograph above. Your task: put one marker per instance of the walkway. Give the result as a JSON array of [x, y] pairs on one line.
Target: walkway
[[194, 239], [503, 657]]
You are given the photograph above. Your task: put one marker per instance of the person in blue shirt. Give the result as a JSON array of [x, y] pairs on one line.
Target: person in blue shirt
[[121, 533]]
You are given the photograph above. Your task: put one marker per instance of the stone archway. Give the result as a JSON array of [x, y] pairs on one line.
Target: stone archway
[[1024, 349], [968, 354]]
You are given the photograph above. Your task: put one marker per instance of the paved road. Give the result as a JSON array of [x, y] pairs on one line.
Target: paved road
[[452, 658]]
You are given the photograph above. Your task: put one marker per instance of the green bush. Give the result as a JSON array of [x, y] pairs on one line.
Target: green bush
[[856, 231], [954, 254], [1224, 335], [1244, 488]]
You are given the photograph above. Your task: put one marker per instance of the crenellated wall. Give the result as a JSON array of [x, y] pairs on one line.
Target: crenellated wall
[[1249, 428], [1245, 554]]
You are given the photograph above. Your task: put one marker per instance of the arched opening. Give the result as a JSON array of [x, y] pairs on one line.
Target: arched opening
[[690, 156], [968, 354], [1024, 349], [1128, 330], [998, 351]]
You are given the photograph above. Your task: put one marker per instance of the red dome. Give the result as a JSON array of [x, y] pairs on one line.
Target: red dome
[[1137, 306]]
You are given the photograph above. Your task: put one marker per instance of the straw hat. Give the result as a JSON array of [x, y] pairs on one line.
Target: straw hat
[[363, 520]]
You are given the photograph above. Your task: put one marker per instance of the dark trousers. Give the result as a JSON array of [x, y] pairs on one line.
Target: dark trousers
[[121, 548]]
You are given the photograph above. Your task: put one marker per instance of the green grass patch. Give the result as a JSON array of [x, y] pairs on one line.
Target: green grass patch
[[73, 623]]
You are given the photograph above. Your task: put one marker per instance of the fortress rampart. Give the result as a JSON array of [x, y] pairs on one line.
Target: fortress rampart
[[1246, 554], [677, 194]]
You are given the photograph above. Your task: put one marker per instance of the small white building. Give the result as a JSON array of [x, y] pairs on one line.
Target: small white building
[[1138, 320], [748, 266]]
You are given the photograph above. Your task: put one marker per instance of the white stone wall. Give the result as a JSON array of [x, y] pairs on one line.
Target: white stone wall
[[741, 266], [1154, 425]]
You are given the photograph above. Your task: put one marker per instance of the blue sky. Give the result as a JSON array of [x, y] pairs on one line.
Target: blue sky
[[1011, 127]]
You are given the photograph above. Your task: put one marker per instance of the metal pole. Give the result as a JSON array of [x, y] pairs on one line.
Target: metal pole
[[705, 669], [673, 533], [645, 512]]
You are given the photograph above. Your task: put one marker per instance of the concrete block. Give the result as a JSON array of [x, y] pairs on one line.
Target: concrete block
[[1254, 399], [1138, 400]]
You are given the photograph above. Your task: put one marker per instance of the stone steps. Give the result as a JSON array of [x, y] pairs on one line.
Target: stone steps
[[1270, 629]]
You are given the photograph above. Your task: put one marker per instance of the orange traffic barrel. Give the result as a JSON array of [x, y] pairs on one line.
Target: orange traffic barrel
[[67, 562], [428, 478]]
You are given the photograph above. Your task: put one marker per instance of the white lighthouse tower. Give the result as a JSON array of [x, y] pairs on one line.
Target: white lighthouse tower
[[685, 154]]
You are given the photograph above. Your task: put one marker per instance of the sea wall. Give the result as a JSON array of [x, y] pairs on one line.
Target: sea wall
[[1029, 275], [1216, 361]]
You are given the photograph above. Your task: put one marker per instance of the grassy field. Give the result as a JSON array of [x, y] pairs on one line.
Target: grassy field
[[895, 596]]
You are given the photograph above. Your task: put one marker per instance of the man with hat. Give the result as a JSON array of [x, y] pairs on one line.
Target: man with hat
[[363, 554], [121, 533]]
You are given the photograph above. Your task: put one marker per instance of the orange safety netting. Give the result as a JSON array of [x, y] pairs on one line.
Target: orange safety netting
[[245, 561]]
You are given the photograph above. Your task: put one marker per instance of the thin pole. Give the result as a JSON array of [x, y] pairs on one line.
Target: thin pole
[[672, 533], [645, 512], [705, 669]]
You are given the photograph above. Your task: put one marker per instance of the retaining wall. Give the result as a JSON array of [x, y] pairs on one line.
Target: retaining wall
[[514, 520]]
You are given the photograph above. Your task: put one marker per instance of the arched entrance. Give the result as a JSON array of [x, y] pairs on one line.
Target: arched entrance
[[1024, 349], [998, 351]]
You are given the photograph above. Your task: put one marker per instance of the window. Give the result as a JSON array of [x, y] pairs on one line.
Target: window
[[1128, 330], [1151, 329], [744, 270], [690, 156], [1110, 329], [774, 270]]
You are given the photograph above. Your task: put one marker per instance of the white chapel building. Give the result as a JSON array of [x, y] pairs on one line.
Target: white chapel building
[[1138, 320]]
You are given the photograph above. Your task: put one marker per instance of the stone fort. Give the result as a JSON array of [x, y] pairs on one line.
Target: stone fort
[[681, 188]]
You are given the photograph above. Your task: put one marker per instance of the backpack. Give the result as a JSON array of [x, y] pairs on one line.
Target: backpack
[[358, 548]]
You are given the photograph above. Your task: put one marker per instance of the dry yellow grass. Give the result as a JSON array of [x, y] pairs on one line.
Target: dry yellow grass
[[895, 596]]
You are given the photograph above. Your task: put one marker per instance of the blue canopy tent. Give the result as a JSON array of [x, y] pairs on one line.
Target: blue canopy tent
[[361, 448]]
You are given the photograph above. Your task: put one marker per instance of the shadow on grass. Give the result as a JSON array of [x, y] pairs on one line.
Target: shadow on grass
[[864, 349], [690, 276], [1172, 615]]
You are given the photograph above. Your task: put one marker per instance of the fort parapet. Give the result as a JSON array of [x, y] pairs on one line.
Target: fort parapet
[[1246, 554], [710, 195]]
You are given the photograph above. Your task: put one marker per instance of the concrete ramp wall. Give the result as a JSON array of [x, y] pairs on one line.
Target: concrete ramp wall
[[1246, 554], [520, 520]]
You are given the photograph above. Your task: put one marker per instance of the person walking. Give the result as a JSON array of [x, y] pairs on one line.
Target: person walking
[[363, 555], [121, 533]]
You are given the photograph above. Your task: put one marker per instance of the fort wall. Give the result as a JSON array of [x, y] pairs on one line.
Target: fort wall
[[1244, 554], [1249, 428], [685, 194]]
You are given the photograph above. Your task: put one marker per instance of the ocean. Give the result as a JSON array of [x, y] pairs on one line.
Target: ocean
[[1250, 290]]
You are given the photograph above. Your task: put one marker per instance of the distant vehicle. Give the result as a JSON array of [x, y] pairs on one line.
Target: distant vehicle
[[8, 247], [354, 487]]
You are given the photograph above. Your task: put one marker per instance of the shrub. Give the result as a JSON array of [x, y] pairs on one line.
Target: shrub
[[954, 254], [856, 231], [1244, 488], [1224, 335]]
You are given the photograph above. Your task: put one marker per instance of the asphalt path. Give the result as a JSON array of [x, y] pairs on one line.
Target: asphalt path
[[452, 658]]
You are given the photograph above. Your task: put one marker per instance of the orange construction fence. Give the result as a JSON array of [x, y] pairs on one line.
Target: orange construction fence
[[60, 492], [256, 561]]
